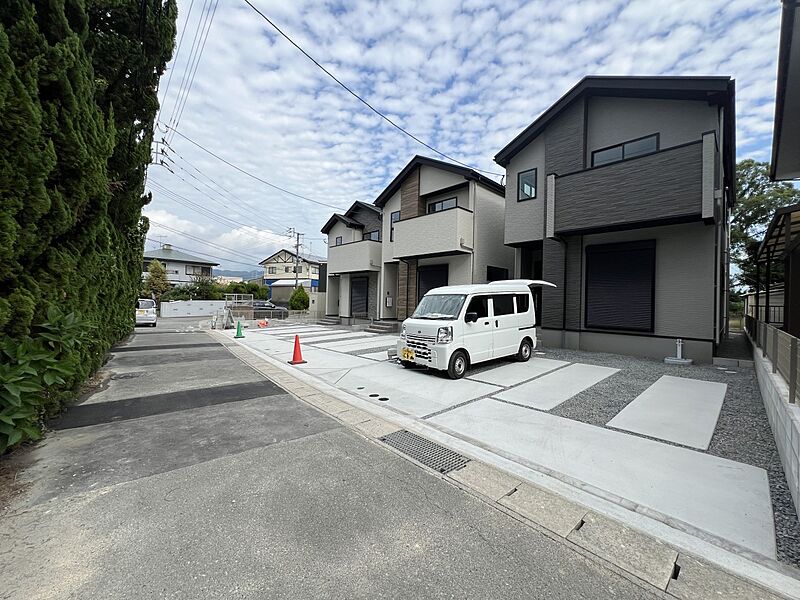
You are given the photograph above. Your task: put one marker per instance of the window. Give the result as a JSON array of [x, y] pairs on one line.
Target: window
[[523, 303], [480, 305], [198, 270], [440, 205], [637, 147], [272, 270], [395, 217], [372, 235], [496, 273], [503, 304], [526, 185], [338, 241], [315, 270], [287, 269], [297, 269], [620, 286]]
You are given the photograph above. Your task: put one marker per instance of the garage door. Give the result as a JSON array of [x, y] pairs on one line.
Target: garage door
[[359, 287], [429, 277]]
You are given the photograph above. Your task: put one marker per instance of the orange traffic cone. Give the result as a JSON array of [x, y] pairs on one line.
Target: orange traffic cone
[[297, 357]]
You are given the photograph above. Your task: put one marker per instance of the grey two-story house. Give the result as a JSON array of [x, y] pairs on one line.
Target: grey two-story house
[[620, 194]]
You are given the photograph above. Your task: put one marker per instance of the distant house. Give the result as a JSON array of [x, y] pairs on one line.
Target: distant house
[[181, 267], [280, 267]]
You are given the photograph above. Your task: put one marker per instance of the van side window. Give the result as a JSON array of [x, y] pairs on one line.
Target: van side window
[[523, 303], [480, 305], [503, 305]]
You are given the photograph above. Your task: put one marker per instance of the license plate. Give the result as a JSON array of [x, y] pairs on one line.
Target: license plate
[[407, 354], [140, 312]]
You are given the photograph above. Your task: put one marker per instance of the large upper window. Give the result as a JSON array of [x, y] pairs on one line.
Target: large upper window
[[440, 205], [272, 270], [199, 271], [526, 185], [395, 217], [620, 286], [637, 147], [372, 235]]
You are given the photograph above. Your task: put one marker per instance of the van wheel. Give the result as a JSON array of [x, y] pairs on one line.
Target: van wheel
[[458, 365], [524, 352], [407, 363]]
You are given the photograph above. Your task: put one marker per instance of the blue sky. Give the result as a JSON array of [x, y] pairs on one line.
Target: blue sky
[[465, 76]]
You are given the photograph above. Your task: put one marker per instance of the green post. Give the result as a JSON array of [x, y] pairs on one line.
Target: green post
[[239, 334]]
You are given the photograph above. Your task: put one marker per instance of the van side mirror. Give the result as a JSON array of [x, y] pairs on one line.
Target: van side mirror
[[471, 317]]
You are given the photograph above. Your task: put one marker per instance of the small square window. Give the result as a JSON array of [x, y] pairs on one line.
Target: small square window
[[526, 185], [338, 241]]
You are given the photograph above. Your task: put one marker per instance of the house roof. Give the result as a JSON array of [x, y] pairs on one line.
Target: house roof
[[418, 160], [785, 163], [336, 217], [712, 89], [168, 253], [358, 205], [290, 283], [783, 234], [309, 258]]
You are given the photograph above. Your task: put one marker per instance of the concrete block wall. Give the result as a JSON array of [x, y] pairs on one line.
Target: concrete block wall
[[784, 419]]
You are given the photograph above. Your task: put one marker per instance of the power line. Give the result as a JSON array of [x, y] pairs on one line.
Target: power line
[[175, 60], [256, 177], [360, 99], [202, 241], [196, 64], [201, 253]]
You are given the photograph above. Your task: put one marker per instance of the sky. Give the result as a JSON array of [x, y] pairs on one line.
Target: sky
[[464, 76]]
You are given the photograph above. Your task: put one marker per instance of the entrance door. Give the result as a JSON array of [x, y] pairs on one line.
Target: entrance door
[[359, 287], [429, 277]]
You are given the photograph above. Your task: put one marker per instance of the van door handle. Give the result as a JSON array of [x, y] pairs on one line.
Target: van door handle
[[486, 322], [496, 324]]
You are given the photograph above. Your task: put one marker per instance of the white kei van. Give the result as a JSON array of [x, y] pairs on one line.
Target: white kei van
[[457, 326]]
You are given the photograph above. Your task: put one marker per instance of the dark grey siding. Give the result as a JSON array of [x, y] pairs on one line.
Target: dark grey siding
[[553, 271], [664, 185], [564, 141], [573, 286], [369, 218]]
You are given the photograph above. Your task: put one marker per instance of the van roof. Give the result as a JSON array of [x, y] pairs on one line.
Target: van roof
[[506, 285]]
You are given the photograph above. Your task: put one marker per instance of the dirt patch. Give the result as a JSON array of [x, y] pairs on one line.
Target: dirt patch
[[11, 486]]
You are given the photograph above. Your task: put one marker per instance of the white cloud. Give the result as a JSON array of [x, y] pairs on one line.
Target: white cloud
[[464, 75]]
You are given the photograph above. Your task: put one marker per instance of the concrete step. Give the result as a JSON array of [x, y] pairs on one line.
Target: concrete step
[[329, 321], [378, 327]]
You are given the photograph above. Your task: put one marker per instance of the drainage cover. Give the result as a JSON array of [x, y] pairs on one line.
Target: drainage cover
[[428, 453]]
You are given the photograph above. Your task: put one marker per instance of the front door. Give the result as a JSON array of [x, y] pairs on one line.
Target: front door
[[359, 288], [478, 335], [429, 277]]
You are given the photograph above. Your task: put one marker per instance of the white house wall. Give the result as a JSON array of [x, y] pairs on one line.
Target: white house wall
[[524, 221], [432, 179], [488, 243]]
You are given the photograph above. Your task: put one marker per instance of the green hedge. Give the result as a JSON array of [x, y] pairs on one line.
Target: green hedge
[[78, 85]]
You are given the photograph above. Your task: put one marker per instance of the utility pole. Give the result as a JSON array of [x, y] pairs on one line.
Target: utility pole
[[297, 235]]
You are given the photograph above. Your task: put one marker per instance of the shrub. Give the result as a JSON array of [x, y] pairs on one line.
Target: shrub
[[299, 299]]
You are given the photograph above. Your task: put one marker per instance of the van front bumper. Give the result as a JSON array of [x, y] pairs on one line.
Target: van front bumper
[[435, 356]]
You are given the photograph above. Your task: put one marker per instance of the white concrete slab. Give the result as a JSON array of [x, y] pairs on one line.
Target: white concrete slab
[[412, 391], [676, 409], [514, 373], [725, 498], [350, 335], [382, 355], [383, 341], [310, 337], [550, 390], [309, 331]]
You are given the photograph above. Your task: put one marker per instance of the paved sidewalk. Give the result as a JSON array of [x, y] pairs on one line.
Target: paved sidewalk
[[199, 478]]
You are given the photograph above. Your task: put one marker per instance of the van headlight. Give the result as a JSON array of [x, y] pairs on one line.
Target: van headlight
[[444, 335], [403, 331]]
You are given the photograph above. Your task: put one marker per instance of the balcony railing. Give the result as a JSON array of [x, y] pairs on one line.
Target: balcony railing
[[443, 232], [664, 185], [780, 348], [363, 255]]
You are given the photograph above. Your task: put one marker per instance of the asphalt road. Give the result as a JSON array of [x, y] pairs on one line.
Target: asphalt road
[[189, 475]]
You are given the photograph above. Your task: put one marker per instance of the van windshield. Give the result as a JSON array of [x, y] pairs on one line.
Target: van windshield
[[439, 306]]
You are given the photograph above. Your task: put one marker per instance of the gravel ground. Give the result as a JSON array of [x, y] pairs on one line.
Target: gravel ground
[[743, 432]]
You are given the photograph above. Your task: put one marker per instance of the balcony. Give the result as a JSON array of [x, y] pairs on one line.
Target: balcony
[[364, 255], [670, 185], [446, 232]]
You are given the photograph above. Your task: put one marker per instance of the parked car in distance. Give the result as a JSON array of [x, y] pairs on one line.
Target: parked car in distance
[[457, 326], [146, 312], [267, 305]]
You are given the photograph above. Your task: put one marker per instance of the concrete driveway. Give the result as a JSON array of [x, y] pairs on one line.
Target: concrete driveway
[[634, 432], [187, 474]]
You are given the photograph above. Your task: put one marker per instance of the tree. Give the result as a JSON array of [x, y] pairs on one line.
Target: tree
[[299, 299], [757, 199], [156, 284]]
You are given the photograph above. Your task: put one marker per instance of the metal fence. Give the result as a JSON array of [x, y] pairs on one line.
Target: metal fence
[[775, 314], [780, 348]]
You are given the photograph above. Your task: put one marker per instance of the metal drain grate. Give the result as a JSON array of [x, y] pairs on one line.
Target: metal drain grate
[[428, 453]]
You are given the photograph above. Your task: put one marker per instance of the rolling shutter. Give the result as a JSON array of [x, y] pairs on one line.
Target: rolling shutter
[[430, 277], [620, 286], [359, 287]]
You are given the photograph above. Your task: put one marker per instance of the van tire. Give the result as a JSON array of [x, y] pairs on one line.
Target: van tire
[[459, 363], [407, 363], [525, 351]]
